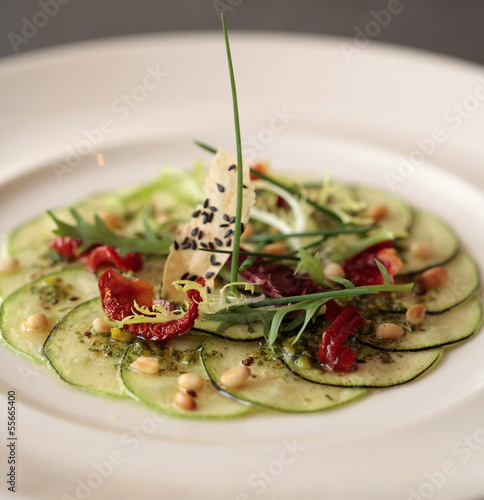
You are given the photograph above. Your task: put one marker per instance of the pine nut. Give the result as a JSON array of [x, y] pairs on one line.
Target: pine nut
[[145, 364], [190, 382], [378, 211], [112, 219], [389, 331], [333, 269], [37, 322], [185, 401], [421, 249], [235, 377], [415, 314], [8, 264], [100, 326], [434, 277], [276, 248]]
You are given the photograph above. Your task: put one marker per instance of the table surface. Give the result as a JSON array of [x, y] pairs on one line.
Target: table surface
[[445, 26]]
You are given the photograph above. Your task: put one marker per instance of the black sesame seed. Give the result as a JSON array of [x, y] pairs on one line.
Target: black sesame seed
[[210, 217], [194, 245], [213, 260], [203, 245], [209, 290], [228, 233], [186, 246], [224, 225], [228, 243], [232, 167], [196, 213], [232, 219], [211, 245], [226, 217], [193, 278], [206, 203], [220, 188], [213, 209], [218, 241], [209, 274], [184, 276], [205, 218], [185, 240], [176, 246], [244, 186], [200, 235], [194, 231]]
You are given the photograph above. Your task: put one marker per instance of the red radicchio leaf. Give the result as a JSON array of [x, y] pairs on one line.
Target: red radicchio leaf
[[279, 281]]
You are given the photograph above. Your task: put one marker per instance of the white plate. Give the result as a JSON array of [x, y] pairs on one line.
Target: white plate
[[308, 108]]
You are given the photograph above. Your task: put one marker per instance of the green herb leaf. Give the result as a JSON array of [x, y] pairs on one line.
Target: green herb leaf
[[312, 264], [343, 281], [99, 234], [322, 232], [384, 272]]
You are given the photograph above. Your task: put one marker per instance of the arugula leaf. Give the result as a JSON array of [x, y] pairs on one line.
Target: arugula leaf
[[271, 319], [241, 315], [99, 234], [312, 264]]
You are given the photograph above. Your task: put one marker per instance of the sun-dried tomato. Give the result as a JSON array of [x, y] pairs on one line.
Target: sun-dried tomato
[[362, 269], [119, 293], [108, 256], [332, 353], [96, 255], [65, 246]]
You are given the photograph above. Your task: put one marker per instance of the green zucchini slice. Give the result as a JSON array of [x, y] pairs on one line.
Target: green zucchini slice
[[463, 280], [176, 356], [436, 330], [374, 368], [444, 244], [400, 213], [243, 333], [53, 295], [271, 384], [84, 358]]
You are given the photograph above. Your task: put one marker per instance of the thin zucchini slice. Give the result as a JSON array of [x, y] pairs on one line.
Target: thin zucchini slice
[[443, 242], [243, 333], [176, 356], [374, 368], [53, 295], [84, 358], [436, 330], [33, 264], [271, 385], [400, 213], [463, 280]]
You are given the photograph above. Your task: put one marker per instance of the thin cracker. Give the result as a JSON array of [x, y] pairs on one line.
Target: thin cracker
[[215, 219]]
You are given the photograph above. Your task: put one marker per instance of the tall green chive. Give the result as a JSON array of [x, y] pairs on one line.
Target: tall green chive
[[234, 270]]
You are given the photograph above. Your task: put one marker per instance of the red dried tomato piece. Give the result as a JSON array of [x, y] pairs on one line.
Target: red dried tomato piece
[[118, 294], [65, 246], [104, 254], [332, 353], [362, 269]]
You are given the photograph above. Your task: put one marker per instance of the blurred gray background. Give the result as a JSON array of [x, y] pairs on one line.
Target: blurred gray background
[[452, 27]]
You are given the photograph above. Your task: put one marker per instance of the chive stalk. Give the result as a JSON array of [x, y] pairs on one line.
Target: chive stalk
[[234, 270]]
